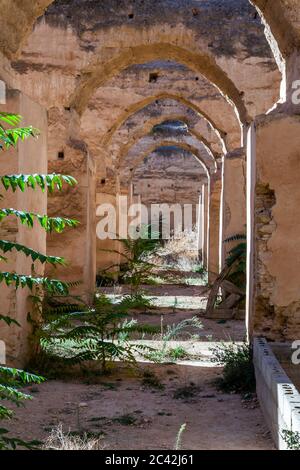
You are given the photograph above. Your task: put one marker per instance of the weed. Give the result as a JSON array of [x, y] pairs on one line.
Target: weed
[[126, 420], [177, 353], [238, 371], [292, 439], [59, 440], [188, 391], [179, 437], [151, 380]]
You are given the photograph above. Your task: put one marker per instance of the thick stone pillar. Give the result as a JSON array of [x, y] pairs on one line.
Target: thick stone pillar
[[214, 225], [106, 258], [77, 245], [274, 297], [233, 199], [29, 157], [203, 224], [200, 223]]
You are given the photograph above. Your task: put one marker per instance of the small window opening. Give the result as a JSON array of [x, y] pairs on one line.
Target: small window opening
[[61, 155], [153, 76], [131, 16], [103, 181]]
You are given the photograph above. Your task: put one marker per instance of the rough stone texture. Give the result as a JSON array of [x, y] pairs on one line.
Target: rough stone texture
[[278, 396], [149, 143], [104, 69], [175, 85], [169, 176], [233, 198], [58, 67], [67, 60], [214, 217], [277, 306]]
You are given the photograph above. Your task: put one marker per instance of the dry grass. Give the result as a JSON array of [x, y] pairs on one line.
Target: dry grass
[[60, 440], [181, 251]]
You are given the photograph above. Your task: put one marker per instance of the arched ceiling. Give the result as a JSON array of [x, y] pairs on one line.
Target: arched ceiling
[[136, 107], [18, 18], [141, 123], [132, 90], [147, 144], [145, 133], [282, 22], [83, 44], [97, 74]]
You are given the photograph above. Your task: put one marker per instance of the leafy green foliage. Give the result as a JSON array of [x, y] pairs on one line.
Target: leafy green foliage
[[11, 379], [97, 332], [136, 270], [10, 382], [20, 280], [8, 320], [238, 371], [10, 137], [7, 246], [136, 301], [49, 182], [237, 261], [178, 353], [292, 439], [58, 224], [186, 327]]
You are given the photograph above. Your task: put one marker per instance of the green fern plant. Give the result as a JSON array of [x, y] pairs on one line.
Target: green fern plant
[[12, 379], [136, 270], [10, 382], [99, 332], [237, 261]]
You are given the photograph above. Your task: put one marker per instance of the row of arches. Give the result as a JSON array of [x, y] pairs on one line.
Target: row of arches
[[98, 122]]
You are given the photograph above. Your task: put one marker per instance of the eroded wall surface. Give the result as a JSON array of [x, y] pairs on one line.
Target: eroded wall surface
[[277, 225]]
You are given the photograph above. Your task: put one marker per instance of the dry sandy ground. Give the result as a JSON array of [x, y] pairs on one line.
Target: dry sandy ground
[[213, 330], [216, 330], [153, 416]]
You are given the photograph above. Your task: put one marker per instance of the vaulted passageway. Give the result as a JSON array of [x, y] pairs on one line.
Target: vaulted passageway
[[133, 99]]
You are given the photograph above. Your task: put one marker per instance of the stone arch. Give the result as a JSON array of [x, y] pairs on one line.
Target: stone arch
[[146, 129], [25, 13], [142, 104], [140, 124], [22, 15], [280, 31], [97, 74], [194, 150]]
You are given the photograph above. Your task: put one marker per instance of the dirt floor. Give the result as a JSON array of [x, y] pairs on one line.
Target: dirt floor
[[130, 412], [145, 408], [161, 290], [213, 330], [187, 306]]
